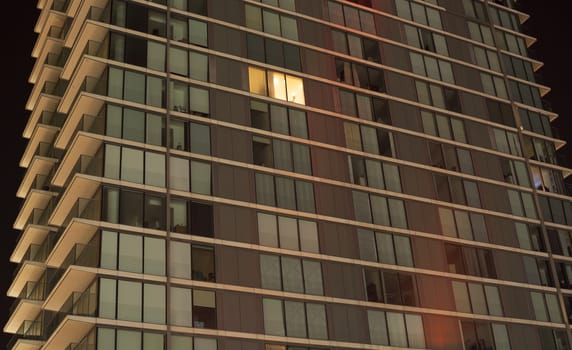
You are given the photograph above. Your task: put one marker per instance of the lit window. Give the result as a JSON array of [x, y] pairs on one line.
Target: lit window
[[277, 85]]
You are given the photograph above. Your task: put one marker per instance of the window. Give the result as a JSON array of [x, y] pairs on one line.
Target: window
[[537, 271], [529, 237], [396, 329], [385, 247], [135, 125], [190, 175], [133, 208], [276, 85], [288, 233], [449, 128], [279, 119], [450, 157], [271, 22], [379, 210], [359, 75], [422, 38], [351, 17], [475, 9], [131, 164], [137, 51], [273, 52], [525, 93], [189, 99], [500, 112], [294, 319], [438, 96], [364, 107], [538, 149], [535, 122], [486, 58], [356, 46], [416, 12], [481, 32], [192, 261], [291, 274], [138, 17], [504, 18], [110, 339], [136, 87], [373, 173], [390, 287], [493, 85], [132, 253], [548, 180], [477, 298], [191, 217], [510, 42], [462, 224], [194, 6], [189, 136], [518, 67], [431, 67], [285, 192], [188, 30], [281, 155], [285, 4], [188, 63], [368, 139], [470, 261], [515, 172], [481, 335], [556, 210], [192, 308], [546, 307], [521, 204], [552, 339], [132, 301]]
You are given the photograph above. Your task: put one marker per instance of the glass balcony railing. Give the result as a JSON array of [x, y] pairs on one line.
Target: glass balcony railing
[[41, 182], [30, 329], [82, 255], [52, 118], [60, 5], [84, 208], [78, 303], [46, 149]]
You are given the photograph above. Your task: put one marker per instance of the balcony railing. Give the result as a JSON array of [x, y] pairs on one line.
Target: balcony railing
[[52, 118], [79, 303], [82, 255], [46, 149], [29, 329], [60, 5], [84, 208]]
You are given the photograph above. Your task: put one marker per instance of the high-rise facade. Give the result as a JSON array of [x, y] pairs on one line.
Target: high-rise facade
[[289, 175]]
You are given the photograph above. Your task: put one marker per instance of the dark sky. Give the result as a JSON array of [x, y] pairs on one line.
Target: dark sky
[[546, 24]]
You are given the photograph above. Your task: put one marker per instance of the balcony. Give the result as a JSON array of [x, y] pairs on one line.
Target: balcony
[[27, 337], [38, 175], [93, 42], [49, 24], [40, 144], [73, 279], [23, 310], [80, 186], [36, 199], [79, 158], [46, 104], [47, 79], [77, 233], [27, 271], [86, 78], [84, 116], [96, 10], [52, 48], [32, 235]]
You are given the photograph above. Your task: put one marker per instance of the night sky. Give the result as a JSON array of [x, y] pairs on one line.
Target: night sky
[[546, 23]]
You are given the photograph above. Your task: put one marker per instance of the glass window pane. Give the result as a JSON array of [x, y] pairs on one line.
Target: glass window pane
[[132, 165], [292, 275], [385, 248], [200, 139], [154, 303], [308, 236], [377, 327], [295, 319], [198, 66], [155, 169], [179, 170], [273, 317], [129, 301], [312, 277], [180, 260], [128, 340], [154, 256], [200, 177], [270, 272], [396, 329], [107, 297], [317, 324], [415, 333], [130, 253], [181, 307]]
